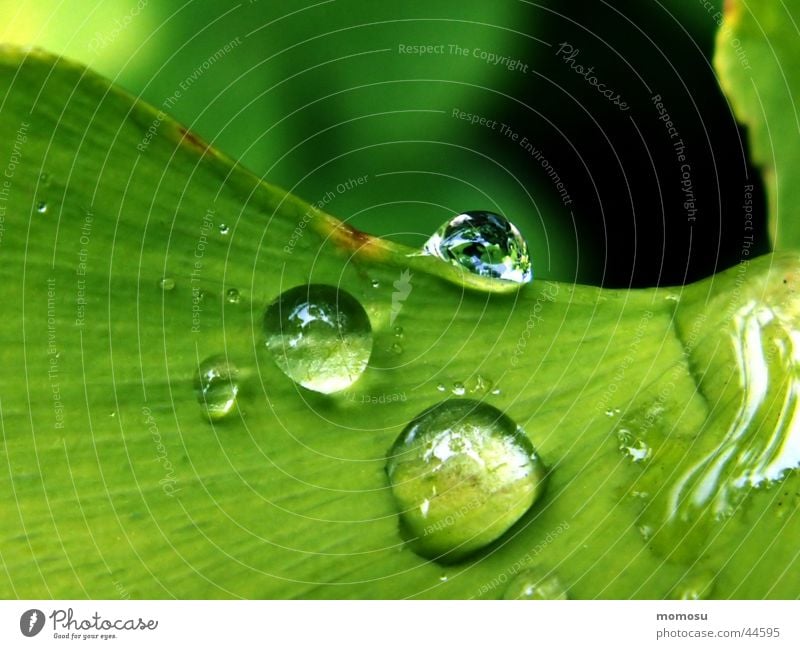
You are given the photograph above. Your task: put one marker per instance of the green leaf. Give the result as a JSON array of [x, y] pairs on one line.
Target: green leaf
[[115, 483], [756, 58]]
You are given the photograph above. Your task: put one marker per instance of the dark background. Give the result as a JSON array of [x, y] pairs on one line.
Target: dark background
[[313, 94]]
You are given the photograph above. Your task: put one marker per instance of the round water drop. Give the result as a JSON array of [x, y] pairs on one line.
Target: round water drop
[[533, 584], [319, 336], [41, 207], [462, 473], [232, 296], [483, 243], [375, 283], [397, 349], [398, 332], [459, 389], [223, 228], [441, 387], [166, 283], [216, 386]]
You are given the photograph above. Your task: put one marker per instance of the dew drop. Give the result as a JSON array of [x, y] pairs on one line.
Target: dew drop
[[398, 332], [533, 584], [697, 585], [483, 243], [232, 296], [458, 389], [216, 386], [635, 448], [441, 387], [481, 385], [41, 207], [319, 336], [166, 283], [224, 229], [375, 283], [461, 474], [397, 349]]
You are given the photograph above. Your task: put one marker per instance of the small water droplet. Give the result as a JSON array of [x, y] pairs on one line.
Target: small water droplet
[[533, 584], [166, 283], [397, 349], [671, 297], [635, 448], [612, 412], [398, 332], [441, 387], [698, 585], [216, 386], [319, 336], [474, 470], [232, 296], [443, 578], [459, 389], [44, 179], [646, 532], [496, 391], [41, 207], [375, 283], [481, 385], [483, 243], [223, 228]]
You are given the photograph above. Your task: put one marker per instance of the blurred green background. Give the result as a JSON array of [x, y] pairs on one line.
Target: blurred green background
[[310, 95]]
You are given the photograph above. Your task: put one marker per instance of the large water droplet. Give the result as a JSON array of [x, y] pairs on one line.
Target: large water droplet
[[483, 243], [461, 474], [216, 386], [41, 207], [319, 336], [534, 584]]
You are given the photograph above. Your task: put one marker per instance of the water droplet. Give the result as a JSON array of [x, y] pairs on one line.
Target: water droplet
[[473, 468], [44, 179], [41, 207], [441, 387], [612, 412], [481, 385], [635, 448], [319, 336], [232, 296], [698, 585], [216, 386], [496, 391], [375, 283], [397, 349], [534, 584], [443, 578], [483, 243], [398, 332], [459, 389], [223, 228], [166, 283]]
